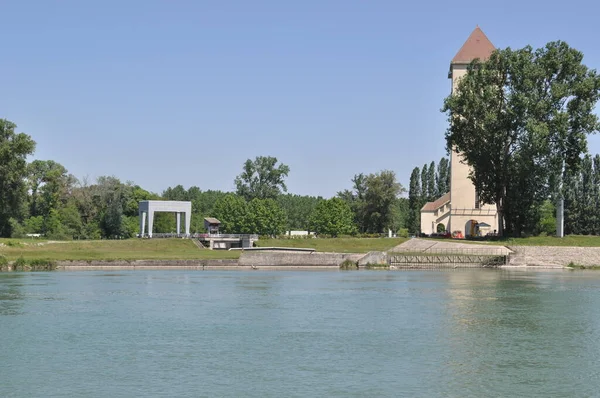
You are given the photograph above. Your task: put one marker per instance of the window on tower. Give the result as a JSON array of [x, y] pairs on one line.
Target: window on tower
[[477, 199]]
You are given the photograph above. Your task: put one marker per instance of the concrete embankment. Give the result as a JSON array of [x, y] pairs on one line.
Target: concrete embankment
[[554, 256], [519, 256], [283, 259]]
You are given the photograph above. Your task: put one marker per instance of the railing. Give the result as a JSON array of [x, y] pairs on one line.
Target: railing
[[449, 258], [204, 236], [474, 212], [489, 250], [240, 236]]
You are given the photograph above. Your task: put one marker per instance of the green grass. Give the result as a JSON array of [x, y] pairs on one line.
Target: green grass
[[130, 249], [337, 245], [569, 240], [581, 266]]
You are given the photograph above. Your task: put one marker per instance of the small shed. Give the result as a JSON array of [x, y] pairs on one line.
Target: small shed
[[212, 225]]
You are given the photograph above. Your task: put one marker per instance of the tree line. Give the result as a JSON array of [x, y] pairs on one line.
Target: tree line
[[42, 197]]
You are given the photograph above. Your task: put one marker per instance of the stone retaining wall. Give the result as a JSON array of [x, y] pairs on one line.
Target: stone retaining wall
[[373, 258], [275, 258], [554, 255]]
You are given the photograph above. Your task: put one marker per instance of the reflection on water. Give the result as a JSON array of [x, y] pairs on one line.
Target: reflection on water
[[11, 296], [271, 334]]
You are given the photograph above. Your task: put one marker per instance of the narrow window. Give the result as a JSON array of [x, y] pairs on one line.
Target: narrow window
[[476, 199]]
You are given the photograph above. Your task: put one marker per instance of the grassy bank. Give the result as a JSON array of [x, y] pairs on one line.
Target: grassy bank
[[337, 245], [170, 249], [131, 249], [570, 240]]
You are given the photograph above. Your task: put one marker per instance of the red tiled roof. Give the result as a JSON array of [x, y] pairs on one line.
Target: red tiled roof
[[433, 206], [476, 46]]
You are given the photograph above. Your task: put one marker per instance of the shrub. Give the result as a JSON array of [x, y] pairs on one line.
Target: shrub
[[42, 265], [34, 265], [376, 266], [348, 264], [20, 264], [403, 233], [3, 263]]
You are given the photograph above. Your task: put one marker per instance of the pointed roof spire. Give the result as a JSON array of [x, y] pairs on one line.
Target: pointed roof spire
[[476, 46]]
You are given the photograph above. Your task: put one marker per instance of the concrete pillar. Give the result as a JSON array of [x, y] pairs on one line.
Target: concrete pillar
[[142, 215], [150, 222], [188, 222], [178, 220], [560, 218]]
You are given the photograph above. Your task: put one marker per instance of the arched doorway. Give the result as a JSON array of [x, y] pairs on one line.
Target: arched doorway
[[441, 228], [471, 228]]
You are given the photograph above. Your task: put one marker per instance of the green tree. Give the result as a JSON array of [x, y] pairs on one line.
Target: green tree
[[262, 178], [298, 210], [547, 219], [424, 183], [382, 192], [265, 217], [431, 187], [587, 201], [414, 202], [232, 211], [176, 193], [14, 149], [596, 195], [333, 217], [356, 200], [442, 178], [516, 118], [571, 193]]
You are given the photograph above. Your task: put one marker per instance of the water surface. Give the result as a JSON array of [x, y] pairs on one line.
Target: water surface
[[188, 333]]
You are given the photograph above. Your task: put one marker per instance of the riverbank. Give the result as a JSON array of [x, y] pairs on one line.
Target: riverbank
[[184, 254]]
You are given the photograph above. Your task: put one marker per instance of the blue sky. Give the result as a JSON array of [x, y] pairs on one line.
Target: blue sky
[[183, 92]]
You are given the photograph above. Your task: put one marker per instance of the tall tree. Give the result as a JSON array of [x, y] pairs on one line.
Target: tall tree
[[262, 178], [596, 195], [356, 200], [443, 177], [431, 188], [587, 200], [414, 202], [516, 118], [424, 183], [14, 149], [380, 198]]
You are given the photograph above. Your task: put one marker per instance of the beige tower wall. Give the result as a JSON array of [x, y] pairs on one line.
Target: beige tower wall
[[462, 190]]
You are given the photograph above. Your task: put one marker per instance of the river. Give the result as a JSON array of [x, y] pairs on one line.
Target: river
[[177, 333]]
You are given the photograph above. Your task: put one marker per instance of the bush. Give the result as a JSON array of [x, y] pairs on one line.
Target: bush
[[42, 265], [403, 233], [348, 264], [3, 263], [20, 264], [34, 265]]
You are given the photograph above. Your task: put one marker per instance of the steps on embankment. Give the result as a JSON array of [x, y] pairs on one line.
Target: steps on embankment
[[416, 245]]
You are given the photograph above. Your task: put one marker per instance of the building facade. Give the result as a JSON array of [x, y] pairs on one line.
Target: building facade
[[460, 210]]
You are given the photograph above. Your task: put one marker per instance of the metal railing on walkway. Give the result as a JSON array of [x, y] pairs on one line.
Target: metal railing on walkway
[[449, 258]]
